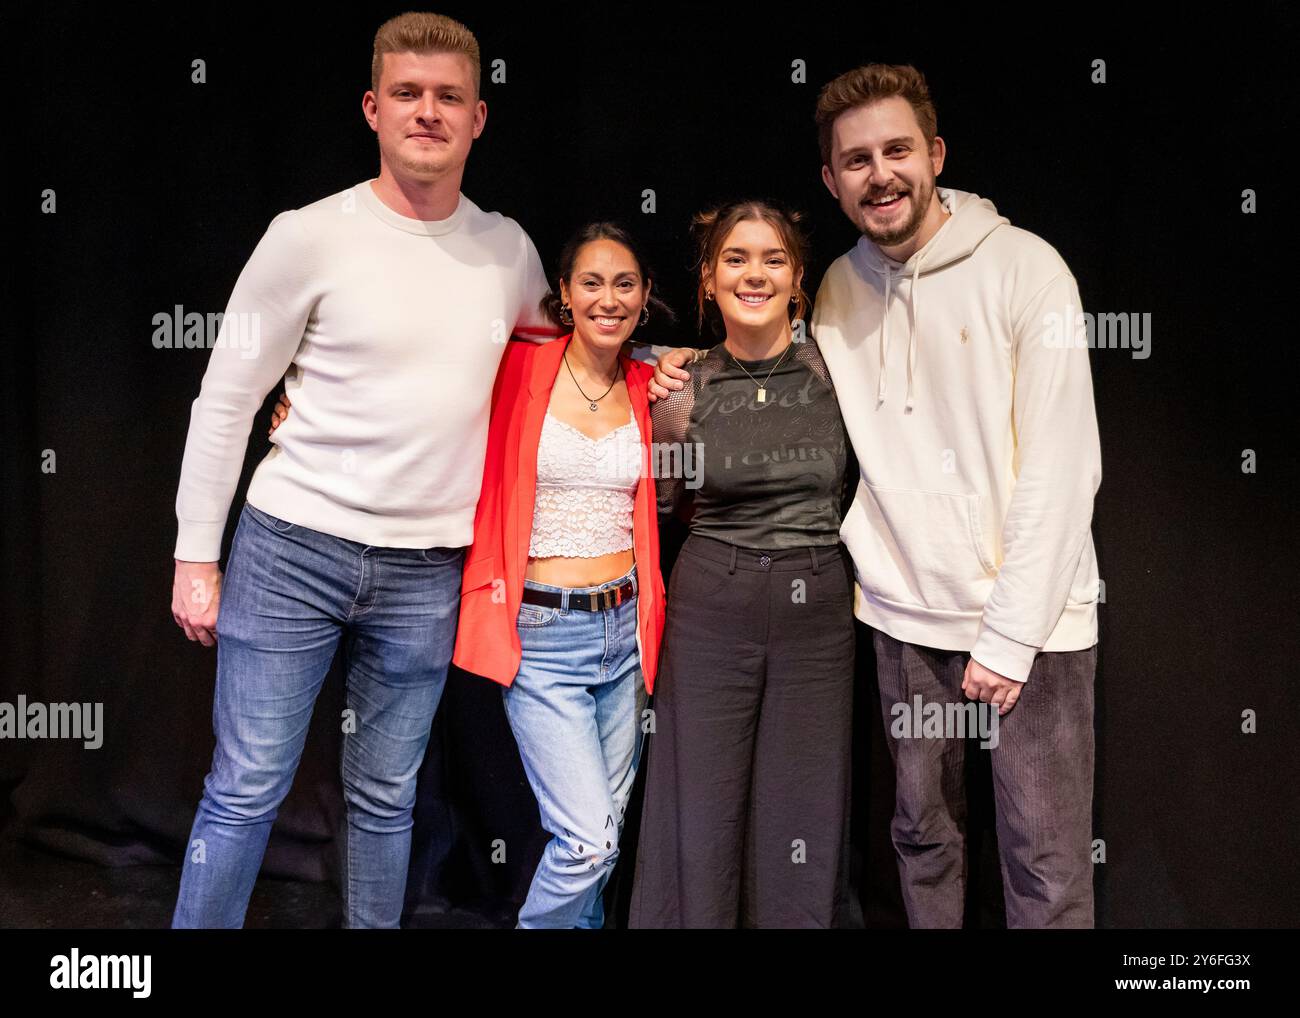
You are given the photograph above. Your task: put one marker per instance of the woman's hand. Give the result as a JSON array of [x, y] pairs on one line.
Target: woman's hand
[[280, 413]]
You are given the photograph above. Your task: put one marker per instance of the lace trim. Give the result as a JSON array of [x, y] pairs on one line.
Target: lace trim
[[586, 488], [582, 434]]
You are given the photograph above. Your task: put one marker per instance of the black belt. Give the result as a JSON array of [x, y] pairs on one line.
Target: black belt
[[596, 601]]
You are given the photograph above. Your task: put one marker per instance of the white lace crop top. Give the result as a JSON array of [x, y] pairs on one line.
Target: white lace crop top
[[585, 490]]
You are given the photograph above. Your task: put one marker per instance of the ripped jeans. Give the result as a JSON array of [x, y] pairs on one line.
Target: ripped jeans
[[574, 710]]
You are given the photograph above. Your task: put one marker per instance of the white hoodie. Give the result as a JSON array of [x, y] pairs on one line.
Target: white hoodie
[[974, 427]]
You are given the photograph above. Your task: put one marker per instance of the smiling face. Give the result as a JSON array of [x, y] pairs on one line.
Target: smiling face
[[426, 113], [883, 172], [753, 277], [606, 294]]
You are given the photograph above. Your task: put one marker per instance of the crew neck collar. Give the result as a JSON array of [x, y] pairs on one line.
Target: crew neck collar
[[422, 227]]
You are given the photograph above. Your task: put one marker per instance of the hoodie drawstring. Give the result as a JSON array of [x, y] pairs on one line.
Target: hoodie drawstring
[[914, 315], [884, 340], [971, 220], [916, 328]]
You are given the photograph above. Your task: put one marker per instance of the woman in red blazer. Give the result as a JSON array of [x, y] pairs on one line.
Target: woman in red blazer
[[562, 600]]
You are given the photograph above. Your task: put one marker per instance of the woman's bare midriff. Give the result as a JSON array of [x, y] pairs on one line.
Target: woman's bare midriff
[[579, 572]]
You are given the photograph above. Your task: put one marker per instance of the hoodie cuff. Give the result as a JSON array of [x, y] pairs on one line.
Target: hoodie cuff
[[1003, 655], [199, 542]]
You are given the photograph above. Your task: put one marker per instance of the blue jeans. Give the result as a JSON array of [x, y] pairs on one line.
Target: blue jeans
[[574, 708], [289, 595]]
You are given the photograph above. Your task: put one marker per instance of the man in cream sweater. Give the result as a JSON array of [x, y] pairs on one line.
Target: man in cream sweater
[[972, 418], [389, 305]]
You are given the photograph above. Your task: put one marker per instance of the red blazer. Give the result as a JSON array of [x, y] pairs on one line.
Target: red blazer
[[487, 642]]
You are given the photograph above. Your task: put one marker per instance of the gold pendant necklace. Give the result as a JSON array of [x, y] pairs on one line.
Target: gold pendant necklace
[[762, 386]]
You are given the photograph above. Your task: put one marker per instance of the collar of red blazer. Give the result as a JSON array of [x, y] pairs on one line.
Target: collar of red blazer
[[547, 366]]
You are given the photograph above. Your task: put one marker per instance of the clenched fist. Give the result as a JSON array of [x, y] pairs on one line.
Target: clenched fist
[[196, 597]]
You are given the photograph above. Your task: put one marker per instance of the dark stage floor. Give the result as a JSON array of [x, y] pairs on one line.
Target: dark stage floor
[[43, 891]]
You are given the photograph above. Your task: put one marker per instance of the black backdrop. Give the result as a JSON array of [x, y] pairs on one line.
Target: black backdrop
[[164, 186]]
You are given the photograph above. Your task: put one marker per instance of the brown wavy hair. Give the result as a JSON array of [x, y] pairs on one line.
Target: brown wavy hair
[[865, 85], [712, 227]]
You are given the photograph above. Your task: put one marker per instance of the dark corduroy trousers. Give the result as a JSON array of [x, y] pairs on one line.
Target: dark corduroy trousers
[[747, 778], [1042, 782]]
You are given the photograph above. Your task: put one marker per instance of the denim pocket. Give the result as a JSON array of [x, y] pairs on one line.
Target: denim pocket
[[531, 615], [267, 520], [442, 556]]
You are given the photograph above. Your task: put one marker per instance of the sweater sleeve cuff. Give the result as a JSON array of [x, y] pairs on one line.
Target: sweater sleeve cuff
[[1003, 655], [199, 542]]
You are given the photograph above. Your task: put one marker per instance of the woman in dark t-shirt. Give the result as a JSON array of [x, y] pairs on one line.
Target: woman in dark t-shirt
[[773, 475], [747, 775]]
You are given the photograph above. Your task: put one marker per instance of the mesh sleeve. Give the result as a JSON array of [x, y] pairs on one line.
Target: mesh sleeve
[[672, 426], [671, 419], [811, 355]]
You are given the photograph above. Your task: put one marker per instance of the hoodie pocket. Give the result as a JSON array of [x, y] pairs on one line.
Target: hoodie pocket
[[927, 549]]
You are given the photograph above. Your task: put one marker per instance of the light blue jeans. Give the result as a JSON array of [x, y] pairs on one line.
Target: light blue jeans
[[574, 709], [290, 595]]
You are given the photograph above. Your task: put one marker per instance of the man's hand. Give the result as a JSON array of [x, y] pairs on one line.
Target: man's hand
[[196, 597], [669, 375], [987, 686]]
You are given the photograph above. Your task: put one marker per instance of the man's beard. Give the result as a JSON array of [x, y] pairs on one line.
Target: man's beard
[[920, 201]]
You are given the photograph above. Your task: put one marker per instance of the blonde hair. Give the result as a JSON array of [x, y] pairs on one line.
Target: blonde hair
[[421, 32]]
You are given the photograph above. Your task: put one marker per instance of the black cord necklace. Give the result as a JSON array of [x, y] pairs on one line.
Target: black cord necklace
[[592, 402]]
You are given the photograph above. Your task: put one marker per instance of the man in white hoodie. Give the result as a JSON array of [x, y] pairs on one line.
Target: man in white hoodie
[[954, 342], [968, 398]]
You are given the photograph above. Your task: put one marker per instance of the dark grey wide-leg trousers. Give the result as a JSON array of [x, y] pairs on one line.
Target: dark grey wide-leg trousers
[[1042, 780], [747, 781]]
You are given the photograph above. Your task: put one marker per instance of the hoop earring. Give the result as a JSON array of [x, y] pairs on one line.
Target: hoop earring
[[566, 316], [645, 313]]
